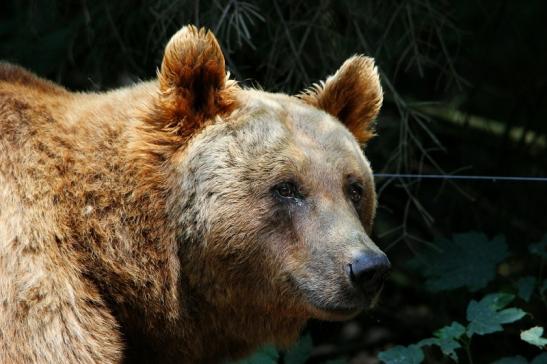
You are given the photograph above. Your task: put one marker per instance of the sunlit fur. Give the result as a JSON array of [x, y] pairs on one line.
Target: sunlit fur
[[140, 223], [353, 95]]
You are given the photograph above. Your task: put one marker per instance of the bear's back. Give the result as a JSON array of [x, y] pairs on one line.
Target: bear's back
[[16, 75], [27, 103]]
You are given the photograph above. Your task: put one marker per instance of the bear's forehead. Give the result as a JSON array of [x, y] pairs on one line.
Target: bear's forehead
[[279, 119]]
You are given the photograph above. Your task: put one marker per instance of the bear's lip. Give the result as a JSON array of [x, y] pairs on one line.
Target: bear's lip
[[335, 313], [351, 302], [344, 311]]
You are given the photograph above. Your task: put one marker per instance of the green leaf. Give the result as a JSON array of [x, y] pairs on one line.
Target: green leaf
[[540, 359], [526, 287], [299, 353], [512, 360], [539, 248], [468, 260], [447, 339], [267, 355], [534, 336], [427, 342], [454, 331], [487, 316], [411, 354]]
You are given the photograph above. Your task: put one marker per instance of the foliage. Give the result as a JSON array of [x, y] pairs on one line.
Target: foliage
[[487, 316], [484, 318], [447, 339], [411, 354], [467, 260], [298, 354], [266, 355], [534, 336]]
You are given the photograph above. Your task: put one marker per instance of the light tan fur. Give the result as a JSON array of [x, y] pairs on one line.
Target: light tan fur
[[138, 224]]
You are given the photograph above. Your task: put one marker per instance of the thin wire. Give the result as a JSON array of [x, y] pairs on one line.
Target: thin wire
[[461, 177]]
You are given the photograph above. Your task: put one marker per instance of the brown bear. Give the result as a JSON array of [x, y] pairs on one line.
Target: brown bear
[[185, 219]]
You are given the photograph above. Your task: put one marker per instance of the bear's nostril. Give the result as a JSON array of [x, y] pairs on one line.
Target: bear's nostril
[[368, 269]]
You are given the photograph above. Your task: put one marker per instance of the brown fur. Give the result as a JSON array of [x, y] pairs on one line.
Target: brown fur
[[353, 95], [137, 224]]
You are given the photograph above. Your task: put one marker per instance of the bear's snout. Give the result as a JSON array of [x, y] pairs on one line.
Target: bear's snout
[[368, 270]]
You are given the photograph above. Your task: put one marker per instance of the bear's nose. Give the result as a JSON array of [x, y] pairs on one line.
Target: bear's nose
[[368, 270]]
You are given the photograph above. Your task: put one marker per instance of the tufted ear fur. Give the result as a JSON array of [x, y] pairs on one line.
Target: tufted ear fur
[[353, 95], [193, 83]]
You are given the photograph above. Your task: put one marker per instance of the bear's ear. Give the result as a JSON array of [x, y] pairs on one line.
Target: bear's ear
[[353, 95], [193, 83]]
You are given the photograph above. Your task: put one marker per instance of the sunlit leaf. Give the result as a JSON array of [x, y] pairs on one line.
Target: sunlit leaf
[[534, 336], [468, 260], [487, 315], [412, 354]]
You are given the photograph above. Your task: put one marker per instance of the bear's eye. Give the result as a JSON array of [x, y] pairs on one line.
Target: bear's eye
[[286, 190], [355, 192]]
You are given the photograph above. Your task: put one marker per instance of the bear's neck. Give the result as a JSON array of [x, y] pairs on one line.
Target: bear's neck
[[205, 332], [121, 235]]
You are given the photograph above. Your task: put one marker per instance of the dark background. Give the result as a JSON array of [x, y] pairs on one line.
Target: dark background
[[465, 93]]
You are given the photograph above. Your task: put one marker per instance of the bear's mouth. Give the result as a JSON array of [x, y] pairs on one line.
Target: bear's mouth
[[345, 305], [344, 309], [349, 306], [338, 313]]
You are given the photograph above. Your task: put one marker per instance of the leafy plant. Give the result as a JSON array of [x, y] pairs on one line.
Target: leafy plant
[[411, 354], [266, 355], [467, 260], [298, 354], [470, 261], [485, 317], [534, 336], [447, 339]]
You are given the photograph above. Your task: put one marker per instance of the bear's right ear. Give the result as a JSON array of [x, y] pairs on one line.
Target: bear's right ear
[[193, 83]]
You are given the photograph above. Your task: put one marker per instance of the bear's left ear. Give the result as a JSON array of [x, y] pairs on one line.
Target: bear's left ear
[[353, 95], [193, 83]]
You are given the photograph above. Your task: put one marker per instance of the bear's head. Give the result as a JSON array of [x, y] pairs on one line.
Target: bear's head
[[271, 195]]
